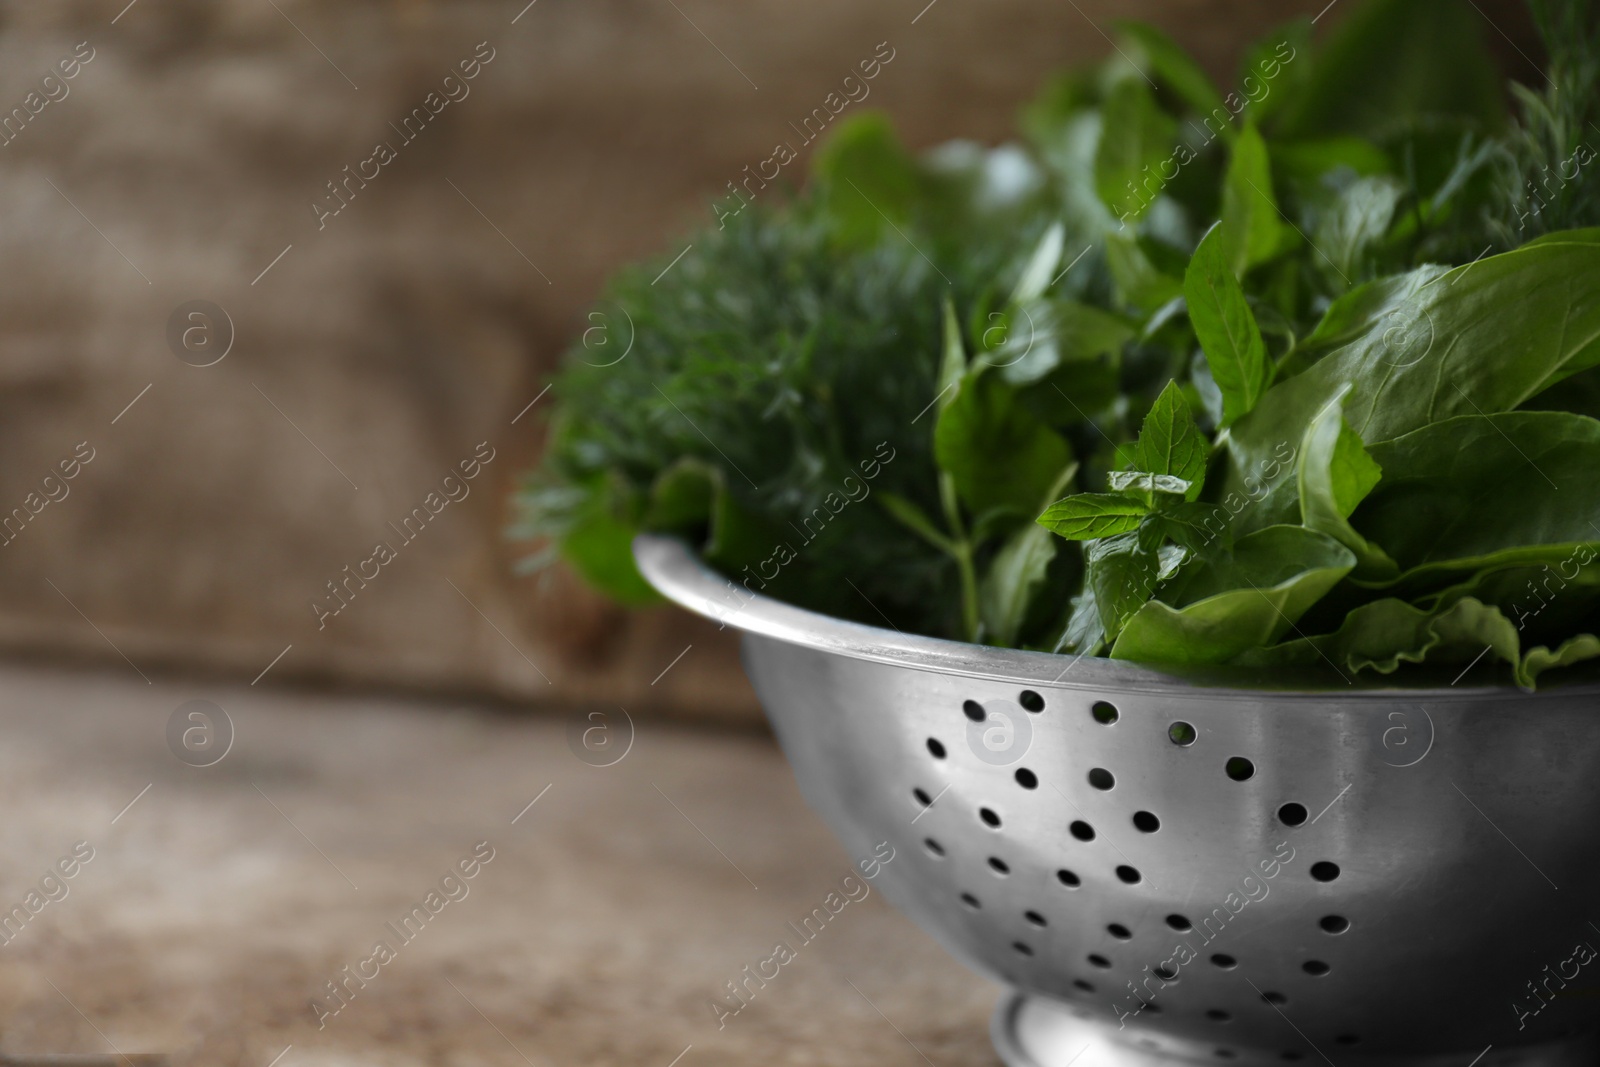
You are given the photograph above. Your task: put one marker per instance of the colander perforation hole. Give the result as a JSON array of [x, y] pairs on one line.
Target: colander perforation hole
[[1035, 918], [1347, 1039], [1334, 924], [1104, 712], [1239, 768], [971, 901], [1315, 968], [1182, 734], [933, 847], [1068, 878], [1146, 821], [1223, 1053], [1097, 960], [936, 748], [922, 796], [1165, 973], [1225, 961], [974, 710], [999, 866], [1129, 875], [1217, 1015], [1022, 948], [990, 818], [1082, 986], [1027, 779], [1179, 923], [1031, 701], [1102, 779], [1153, 1009], [1292, 814], [1118, 931], [1081, 830], [1291, 1055], [1324, 870], [1274, 998]]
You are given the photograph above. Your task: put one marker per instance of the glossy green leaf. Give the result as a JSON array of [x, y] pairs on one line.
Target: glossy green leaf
[[1483, 491], [1044, 335], [1139, 282], [1226, 328], [1234, 602], [1434, 346]]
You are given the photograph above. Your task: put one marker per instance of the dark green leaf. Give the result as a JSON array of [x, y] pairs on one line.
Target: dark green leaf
[[1016, 573], [996, 451], [1172, 65], [1121, 573], [1335, 474], [1480, 491]]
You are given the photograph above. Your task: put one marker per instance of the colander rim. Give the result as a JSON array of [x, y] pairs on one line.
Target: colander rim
[[678, 573]]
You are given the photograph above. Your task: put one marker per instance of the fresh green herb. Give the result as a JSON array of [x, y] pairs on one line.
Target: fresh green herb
[[1305, 373]]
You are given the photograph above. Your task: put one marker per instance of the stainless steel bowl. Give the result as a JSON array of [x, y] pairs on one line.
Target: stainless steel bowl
[[1203, 868]]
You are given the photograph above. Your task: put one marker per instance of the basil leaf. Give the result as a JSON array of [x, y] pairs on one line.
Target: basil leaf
[[1170, 442], [1252, 230], [1085, 516], [1230, 604], [1147, 485], [1225, 326]]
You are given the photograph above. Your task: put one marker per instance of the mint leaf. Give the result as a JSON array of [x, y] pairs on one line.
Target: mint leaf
[[1085, 516], [1226, 327], [1171, 443], [1136, 138], [1251, 226]]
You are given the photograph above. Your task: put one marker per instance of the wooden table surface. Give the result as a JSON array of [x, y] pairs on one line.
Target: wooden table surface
[[220, 901]]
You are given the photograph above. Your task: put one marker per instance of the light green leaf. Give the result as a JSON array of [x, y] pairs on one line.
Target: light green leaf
[[953, 360], [1353, 224], [1479, 339], [1226, 327], [1171, 443], [1538, 660], [1252, 229], [1335, 474], [1232, 603], [1136, 138], [1085, 516], [869, 183], [1044, 335], [1147, 485], [1083, 634], [1041, 266]]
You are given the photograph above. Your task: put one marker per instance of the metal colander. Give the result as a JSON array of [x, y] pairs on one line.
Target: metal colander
[[1185, 868]]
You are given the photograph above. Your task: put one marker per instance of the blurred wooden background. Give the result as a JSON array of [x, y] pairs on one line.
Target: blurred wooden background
[[371, 355]]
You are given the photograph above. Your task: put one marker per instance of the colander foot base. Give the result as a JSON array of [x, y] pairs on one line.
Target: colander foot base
[[1036, 1032]]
